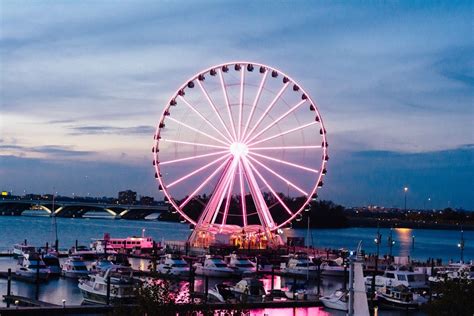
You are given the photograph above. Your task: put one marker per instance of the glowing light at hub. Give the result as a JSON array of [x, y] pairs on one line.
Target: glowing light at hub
[[239, 150]]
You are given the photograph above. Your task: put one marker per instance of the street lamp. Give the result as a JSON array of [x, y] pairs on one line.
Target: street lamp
[[461, 245], [405, 189], [391, 242], [377, 240]]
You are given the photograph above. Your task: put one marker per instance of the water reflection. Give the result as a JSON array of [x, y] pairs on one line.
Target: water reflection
[[404, 239]]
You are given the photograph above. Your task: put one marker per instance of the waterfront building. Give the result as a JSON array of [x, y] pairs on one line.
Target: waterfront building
[[127, 197]]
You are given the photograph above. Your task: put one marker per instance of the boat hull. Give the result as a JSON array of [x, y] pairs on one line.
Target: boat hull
[[392, 304]]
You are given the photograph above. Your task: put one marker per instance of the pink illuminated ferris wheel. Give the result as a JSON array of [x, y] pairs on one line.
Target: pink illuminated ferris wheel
[[240, 149]]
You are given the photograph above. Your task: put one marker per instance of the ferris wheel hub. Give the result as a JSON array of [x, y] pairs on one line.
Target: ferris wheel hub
[[239, 150]]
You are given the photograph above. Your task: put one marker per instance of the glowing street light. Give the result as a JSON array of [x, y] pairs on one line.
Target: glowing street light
[[405, 189]]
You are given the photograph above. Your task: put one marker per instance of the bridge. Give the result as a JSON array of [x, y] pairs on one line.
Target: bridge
[[76, 209]]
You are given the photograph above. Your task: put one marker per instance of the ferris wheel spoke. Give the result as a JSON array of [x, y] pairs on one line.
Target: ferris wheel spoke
[[286, 147], [187, 176], [203, 89], [262, 208], [203, 118], [270, 188], [192, 158], [191, 196], [255, 102], [229, 195], [269, 107], [197, 131], [226, 97], [277, 120], [241, 102], [283, 133], [278, 175], [242, 194], [193, 143], [285, 162]]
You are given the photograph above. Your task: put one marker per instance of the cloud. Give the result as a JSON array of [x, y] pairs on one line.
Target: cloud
[[52, 151], [95, 130]]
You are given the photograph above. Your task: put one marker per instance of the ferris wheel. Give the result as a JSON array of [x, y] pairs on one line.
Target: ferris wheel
[[240, 148]]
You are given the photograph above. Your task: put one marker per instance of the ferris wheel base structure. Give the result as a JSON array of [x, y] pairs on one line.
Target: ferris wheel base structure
[[250, 237], [229, 141]]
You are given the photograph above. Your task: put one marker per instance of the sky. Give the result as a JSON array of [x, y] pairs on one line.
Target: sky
[[83, 84]]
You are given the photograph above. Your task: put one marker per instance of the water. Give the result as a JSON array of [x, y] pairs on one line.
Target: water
[[428, 243], [39, 230]]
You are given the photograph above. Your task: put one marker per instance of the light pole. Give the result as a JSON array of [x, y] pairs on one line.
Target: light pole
[[391, 242], [405, 189], [461, 245], [377, 242]]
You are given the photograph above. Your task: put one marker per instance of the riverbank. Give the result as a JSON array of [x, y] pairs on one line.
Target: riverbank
[[396, 223]]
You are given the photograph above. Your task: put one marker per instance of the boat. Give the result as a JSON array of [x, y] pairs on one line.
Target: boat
[[74, 267], [453, 271], [337, 300], [249, 290], [122, 284], [301, 265], [213, 267], [102, 247], [84, 252], [396, 297], [141, 244], [31, 266], [52, 263], [19, 250], [173, 265], [296, 291], [402, 275], [333, 268], [241, 265]]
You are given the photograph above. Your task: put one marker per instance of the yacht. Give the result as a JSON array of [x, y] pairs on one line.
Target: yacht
[[337, 300], [398, 276], [301, 265], [84, 252], [103, 247], [19, 250], [249, 290], [334, 268], [214, 267], [453, 271], [122, 286], [31, 266], [74, 267], [52, 263], [241, 265], [397, 297], [173, 265]]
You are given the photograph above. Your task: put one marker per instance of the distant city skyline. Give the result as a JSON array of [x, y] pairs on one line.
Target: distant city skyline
[[83, 85]]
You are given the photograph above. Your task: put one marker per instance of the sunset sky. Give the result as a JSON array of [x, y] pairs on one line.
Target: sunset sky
[[83, 84]]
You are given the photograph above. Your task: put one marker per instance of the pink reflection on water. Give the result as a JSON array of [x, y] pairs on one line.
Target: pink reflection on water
[[267, 282], [303, 311]]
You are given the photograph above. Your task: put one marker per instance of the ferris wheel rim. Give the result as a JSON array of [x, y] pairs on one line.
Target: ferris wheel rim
[[184, 86]]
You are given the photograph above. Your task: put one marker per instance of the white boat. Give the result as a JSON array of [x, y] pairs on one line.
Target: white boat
[[452, 271], [74, 267], [396, 297], [122, 286], [296, 291], [249, 290], [334, 268], [213, 267], [143, 244], [102, 247], [241, 265], [84, 252], [52, 263], [19, 250], [338, 300], [398, 276], [173, 265], [300, 265], [31, 266]]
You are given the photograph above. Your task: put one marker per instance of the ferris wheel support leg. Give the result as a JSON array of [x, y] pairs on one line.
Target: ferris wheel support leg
[[263, 212]]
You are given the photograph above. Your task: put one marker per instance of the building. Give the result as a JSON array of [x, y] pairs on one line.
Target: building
[[147, 200], [127, 197]]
